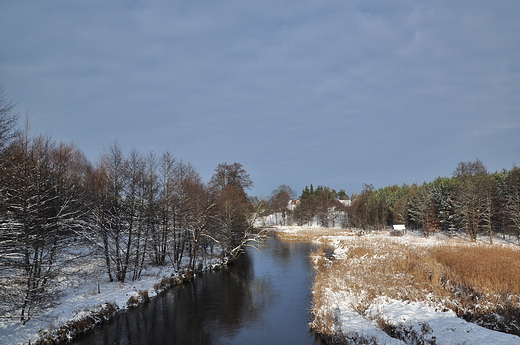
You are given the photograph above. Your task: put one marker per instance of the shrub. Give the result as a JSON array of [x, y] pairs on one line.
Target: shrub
[[167, 282], [408, 333], [132, 302], [143, 296], [351, 338]]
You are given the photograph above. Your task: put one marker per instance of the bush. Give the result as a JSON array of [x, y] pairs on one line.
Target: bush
[[167, 282], [351, 338], [133, 302], [408, 333], [143, 296]]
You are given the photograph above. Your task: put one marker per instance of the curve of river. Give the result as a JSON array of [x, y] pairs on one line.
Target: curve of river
[[262, 298]]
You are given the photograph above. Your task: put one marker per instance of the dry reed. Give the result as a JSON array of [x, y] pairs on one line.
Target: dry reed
[[481, 283]]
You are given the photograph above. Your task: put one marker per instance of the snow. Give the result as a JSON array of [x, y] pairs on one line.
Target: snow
[[81, 296], [444, 326], [434, 322], [426, 321], [78, 300]]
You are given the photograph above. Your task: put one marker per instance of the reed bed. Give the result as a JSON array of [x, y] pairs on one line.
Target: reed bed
[[481, 283]]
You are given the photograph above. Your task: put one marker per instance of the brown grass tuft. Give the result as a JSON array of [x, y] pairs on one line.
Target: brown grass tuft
[[167, 282]]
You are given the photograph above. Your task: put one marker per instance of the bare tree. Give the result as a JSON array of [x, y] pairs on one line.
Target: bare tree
[[43, 206], [234, 208], [112, 236], [230, 174], [8, 120], [279, 200], [364, 211], [185, 177], [161, 235], [199, 216]]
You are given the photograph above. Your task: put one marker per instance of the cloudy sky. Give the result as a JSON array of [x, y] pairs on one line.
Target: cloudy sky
[[337, 93]]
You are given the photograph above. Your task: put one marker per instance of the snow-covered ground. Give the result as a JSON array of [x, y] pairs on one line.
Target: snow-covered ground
[[420, 320], [80, 296], [430, 322], [425, 322]]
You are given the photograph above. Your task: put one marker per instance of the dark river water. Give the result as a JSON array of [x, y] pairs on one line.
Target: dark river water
[[262, 298]]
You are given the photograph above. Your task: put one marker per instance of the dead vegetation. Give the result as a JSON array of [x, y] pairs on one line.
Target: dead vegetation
[[89, 321], [480, 283], [310, 235]]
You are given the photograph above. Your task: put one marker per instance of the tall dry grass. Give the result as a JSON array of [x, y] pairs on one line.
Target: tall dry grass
[[485, 284], [481, 283], [309, 235], [487, 269]]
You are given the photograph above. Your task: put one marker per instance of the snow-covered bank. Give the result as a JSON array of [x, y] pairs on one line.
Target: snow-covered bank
[[351, 294], [86, 294], [415, 322]]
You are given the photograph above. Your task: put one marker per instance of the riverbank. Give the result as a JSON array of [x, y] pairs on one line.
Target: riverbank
[[384, 289], [90, 299]]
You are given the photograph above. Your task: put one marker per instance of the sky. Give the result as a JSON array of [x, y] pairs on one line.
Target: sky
[[333, 93]]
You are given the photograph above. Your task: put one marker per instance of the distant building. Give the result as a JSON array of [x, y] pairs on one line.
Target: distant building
[[345, 202], [292, 204]]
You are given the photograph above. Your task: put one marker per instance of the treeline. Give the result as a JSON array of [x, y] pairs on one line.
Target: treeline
[[129, 209], [320, 205], [473, 200]]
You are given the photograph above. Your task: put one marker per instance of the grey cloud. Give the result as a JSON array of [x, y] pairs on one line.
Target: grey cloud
[[347, 92]]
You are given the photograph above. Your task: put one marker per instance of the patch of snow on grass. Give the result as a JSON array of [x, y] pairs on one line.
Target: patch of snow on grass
[[81, 296], [442, 326], [345, 311]]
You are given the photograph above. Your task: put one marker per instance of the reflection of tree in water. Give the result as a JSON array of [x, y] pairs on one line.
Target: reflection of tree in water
[[193, 312], [230, 298], [282, 251]]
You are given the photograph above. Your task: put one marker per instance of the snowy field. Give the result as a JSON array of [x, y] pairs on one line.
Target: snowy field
[[417, 322]]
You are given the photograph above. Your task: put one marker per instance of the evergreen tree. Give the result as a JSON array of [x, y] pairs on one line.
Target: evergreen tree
[[513, 200]]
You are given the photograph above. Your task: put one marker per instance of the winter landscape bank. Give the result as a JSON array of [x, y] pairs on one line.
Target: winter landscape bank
[[394, 288], [90, 300], [377, 288]]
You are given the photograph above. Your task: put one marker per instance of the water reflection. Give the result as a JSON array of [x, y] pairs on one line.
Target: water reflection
[[263, 298]]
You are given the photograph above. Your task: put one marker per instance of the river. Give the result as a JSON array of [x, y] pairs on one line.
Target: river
[[262, 298]]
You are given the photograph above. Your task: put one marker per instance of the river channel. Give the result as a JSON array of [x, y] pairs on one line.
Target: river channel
[[262, 298]]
